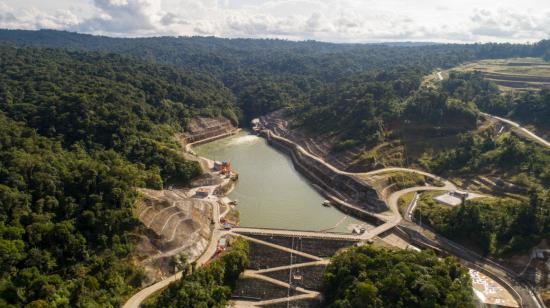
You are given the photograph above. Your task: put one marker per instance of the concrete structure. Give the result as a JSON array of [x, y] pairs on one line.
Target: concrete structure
[[202, 192], [489, 292], [348, 189], [453, 198]]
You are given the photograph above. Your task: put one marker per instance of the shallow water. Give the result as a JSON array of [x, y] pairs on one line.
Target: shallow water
[[270, 192]]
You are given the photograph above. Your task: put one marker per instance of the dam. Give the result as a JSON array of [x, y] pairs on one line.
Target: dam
[[270, 192]]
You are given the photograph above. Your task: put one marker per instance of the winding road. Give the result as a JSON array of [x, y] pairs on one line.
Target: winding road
[[524, 130], [392, 203]]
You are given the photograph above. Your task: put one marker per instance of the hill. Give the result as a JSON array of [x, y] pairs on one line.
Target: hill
[[265, 75], [80, 131]]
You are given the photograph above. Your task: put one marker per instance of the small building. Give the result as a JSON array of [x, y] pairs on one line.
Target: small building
[[222, 243], [452, 198], [459, 194], [202, 192], [223, 167]]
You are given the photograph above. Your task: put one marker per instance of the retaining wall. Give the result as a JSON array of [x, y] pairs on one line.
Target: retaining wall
[[201, 128], [317, 247], [262, 257], [260, 290], [312, 276], [343, 186]]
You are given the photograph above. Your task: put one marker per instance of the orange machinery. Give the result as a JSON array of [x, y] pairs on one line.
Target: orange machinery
[[225, 168]]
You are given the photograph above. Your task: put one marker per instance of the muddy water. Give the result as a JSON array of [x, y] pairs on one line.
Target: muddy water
[[270, 192]]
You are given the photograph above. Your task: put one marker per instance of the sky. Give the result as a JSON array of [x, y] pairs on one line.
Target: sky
[[349, 21]]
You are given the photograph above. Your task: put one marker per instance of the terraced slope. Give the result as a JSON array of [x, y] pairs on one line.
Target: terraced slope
[[513, 74], [175, 223]]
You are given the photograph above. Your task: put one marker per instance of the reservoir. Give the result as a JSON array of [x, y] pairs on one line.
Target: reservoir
[[270, 192]]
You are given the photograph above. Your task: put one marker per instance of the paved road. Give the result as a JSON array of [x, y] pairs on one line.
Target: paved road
[[521, 128], [392, 203], [505, 277], [502, 275], [136, 300], [526, 295], [527, 132]]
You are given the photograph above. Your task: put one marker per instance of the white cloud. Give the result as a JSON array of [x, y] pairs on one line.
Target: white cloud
[[509, 24], [35, 19], [127, 17], [329, 20]]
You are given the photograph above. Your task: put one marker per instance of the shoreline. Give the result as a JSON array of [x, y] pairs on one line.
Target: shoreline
[[335, 197], [333, 189]]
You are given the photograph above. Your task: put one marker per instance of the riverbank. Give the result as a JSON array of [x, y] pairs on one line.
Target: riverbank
[[271, 192], [298, 156], [349, 194]]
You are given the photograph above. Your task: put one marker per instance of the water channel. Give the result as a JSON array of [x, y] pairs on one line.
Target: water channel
[[270, 192]]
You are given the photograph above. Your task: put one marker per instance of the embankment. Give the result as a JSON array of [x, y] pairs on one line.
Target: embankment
[[201, 128], [350, 194]]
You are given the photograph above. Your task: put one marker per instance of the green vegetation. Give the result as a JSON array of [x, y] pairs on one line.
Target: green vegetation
[[404, 202], [79, 132], [520, 162], [108, 101], [372, 277], [494, 226], [64, 218], [265, 75], [82, 127], [530, 107], [402, 180], [208, 286]]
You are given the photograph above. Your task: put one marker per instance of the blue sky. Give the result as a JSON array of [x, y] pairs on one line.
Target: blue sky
[[325, 20]]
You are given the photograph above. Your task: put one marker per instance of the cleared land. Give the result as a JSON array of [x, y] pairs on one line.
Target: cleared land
[[517, 74]]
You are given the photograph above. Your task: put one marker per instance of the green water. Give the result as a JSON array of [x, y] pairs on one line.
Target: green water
[[270, 192]]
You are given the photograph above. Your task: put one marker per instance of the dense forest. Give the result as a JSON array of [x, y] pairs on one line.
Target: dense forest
[[208, 286], [530, 107], [366, 276], [495, 226], [267, 74], [64, 218], [79, 132], [86, 119], [106, 101]]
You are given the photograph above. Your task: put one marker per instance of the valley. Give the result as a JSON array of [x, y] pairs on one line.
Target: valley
[[373, 175]]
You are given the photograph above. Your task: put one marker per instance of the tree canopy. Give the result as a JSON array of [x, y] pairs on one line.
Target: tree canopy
[[208, 286], [374, 277]]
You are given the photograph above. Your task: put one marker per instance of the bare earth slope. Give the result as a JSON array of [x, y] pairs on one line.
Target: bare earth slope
[[278, 122], [175, 223]]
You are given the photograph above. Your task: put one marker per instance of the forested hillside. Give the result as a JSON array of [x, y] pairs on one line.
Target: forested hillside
[[79, 132], [531, 107], [366, 276], [106, 101], [265, 75], [87, 119]]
